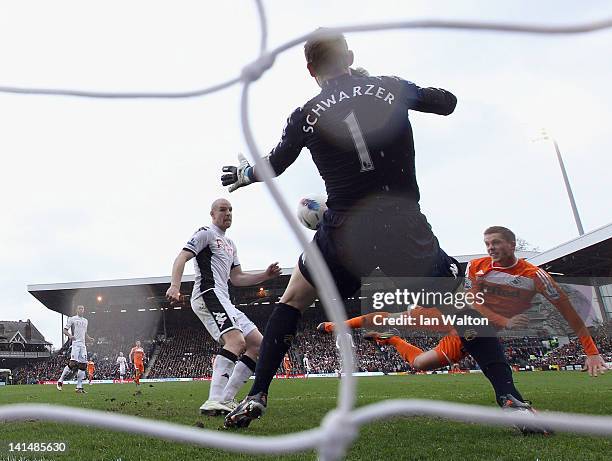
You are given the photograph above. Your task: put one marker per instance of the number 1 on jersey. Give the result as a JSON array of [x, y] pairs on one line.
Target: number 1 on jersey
[[362, 149]]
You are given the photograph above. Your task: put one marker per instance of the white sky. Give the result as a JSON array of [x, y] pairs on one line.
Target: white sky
[[98, 189]]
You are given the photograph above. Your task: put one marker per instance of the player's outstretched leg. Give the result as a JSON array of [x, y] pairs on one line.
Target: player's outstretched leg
[[447, 352], [362, 321], [378, 320], [409, 352]]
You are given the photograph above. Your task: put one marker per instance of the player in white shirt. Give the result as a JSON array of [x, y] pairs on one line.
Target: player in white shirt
[[216, 262], [76, 330], [352, 343], [122, 365], [306, 364]]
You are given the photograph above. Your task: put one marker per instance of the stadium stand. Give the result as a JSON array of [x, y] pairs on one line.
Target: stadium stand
[[183, 349]]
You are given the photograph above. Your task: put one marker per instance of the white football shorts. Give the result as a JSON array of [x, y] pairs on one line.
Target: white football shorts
[[78, 353], [219, 315]]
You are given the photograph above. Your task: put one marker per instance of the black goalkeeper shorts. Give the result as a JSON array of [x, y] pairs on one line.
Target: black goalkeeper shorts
[[391, 237]]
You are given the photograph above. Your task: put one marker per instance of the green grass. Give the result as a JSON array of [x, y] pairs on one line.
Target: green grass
[[300, 404]]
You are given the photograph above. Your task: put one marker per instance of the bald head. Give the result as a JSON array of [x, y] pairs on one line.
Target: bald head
[[220, 202], [221, 213]]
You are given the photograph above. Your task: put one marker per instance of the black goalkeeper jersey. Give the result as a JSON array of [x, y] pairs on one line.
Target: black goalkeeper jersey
[[358, 132]]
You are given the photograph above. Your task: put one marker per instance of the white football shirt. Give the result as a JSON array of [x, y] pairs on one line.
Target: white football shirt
[[350, 338], [215, 257], [78, 325]]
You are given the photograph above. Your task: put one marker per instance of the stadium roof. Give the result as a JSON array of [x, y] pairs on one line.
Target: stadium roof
[[102, 294], [589, 255]]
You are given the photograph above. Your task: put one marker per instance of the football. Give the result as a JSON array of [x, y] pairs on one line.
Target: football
[[310, 210]]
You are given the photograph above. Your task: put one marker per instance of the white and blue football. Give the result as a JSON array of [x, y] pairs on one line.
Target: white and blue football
[[311, 209]]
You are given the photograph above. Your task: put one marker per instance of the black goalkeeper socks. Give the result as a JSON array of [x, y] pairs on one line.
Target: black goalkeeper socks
[[277, 339], [500, 376], [489, 354]]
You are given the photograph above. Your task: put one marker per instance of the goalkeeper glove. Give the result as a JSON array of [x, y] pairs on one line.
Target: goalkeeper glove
[[239, 176]]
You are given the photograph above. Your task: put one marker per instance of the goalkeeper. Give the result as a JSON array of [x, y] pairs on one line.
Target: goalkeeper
[[359, 135]]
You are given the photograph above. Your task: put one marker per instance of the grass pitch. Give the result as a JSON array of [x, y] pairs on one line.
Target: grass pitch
[[299, 404]]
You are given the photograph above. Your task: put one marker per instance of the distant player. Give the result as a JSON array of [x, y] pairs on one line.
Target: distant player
[[352, 343], [216, 262], [76, 330], [122, 362], [91, 369], [137, 357], [287, 365], [306, 364]]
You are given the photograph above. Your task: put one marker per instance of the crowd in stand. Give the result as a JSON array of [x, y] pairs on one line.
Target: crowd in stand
[[572, 352], [186, 352], [38, 371], [183, 348]]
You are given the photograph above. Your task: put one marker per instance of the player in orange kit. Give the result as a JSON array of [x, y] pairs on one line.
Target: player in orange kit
[[91, 368], [507, 285], [137, 356], [287, 365]]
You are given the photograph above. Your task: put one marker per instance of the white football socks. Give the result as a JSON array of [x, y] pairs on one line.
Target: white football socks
[[242, 372], [222, 370], [65, 373], [80, 377]]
